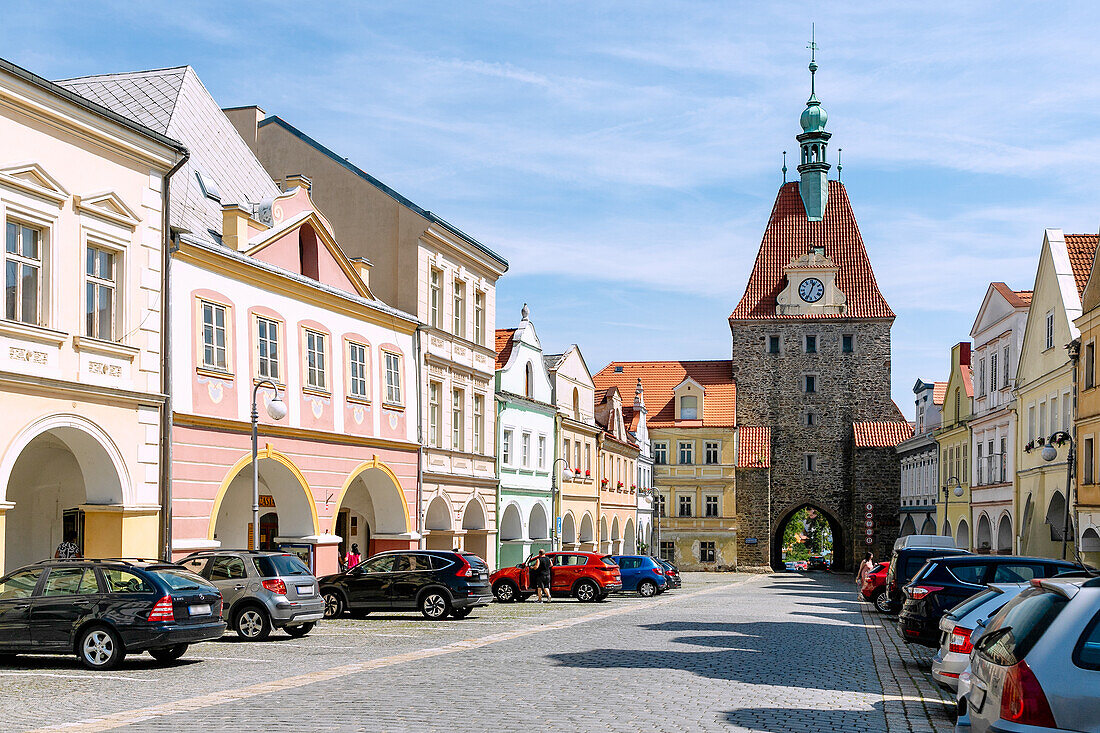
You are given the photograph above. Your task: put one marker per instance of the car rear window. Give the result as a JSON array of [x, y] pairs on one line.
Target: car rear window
[[1019, 625], [877, 568], [971, 573], [973, 602], [274, 566], [180, 579], [610, 561], [1021, 573]]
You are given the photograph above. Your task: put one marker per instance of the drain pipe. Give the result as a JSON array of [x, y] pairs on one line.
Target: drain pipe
[[419, 439], [166, 360]]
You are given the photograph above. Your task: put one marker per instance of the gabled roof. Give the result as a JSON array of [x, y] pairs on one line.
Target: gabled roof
[[881, 434], [552, 361], [1081, 248], [790, 235], [660, 378], [939, 392], [504, 341], [1015, 298], [754, 447]]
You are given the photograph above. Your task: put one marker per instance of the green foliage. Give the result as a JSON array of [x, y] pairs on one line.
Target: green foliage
[[807, 533]]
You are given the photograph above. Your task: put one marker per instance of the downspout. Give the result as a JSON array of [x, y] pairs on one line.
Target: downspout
[[419, 439], [166, 361]]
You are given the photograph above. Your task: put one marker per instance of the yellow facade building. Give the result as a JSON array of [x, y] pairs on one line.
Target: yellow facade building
[[1085, 504], [953, 439]]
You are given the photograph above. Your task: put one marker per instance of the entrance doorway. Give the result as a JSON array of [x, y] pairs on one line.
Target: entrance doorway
[[287, 511], [373, 513], [808, 531]]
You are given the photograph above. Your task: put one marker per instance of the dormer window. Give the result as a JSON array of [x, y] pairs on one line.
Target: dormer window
[[689, 407]]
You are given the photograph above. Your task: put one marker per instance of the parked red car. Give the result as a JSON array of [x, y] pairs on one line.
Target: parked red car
[[874, 587], [587, 576]]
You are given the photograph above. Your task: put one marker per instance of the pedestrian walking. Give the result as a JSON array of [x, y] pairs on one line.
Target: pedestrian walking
[[865, 568], [539, 570], [353, 557], [67, 550]]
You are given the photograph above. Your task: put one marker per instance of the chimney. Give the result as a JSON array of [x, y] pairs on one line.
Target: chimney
[[246, 120], [297, 180], [362, 268], [235, 226]]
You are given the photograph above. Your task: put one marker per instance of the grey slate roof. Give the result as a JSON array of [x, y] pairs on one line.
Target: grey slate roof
[[175, 102], [552, 361]]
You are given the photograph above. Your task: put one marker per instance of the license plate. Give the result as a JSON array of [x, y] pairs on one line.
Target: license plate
[[200, 609], [305, 590], [484, 576]]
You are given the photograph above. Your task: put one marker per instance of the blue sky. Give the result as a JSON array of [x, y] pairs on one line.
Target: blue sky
[[624, 157]]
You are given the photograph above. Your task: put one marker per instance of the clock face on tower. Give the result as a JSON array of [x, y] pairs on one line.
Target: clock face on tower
[[811, 290]]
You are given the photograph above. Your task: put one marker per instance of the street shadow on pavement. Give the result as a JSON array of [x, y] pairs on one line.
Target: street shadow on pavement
[[806, 720], [71, 665]]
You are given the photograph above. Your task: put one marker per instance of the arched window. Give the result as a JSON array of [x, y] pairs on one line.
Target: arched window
[[529, 381], [689, 407], [576, 404]]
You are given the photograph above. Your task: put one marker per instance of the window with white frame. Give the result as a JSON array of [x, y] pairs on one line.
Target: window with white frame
[[1087, 467], [357, 371], [506, 447], [710, 506], [588, 458], [1054, 414], [713, 449], [684, 505], [1004, 366], [267, 348], [1043, 419], [981, 378], [479, 317], [23, 287], [1067, 409], [458, 422], [214, 351], [435, 299], [689, 407], [460, 309], [1030, 423], [393, 378], [435, 415], [99, 293], [525, 454], [980, 473], [660, 453], [687, 450], [707, 552], [542, 451], [479, 423], [577, 455], [316, 376], [993, 371], [1050, 330], [1004, 459]]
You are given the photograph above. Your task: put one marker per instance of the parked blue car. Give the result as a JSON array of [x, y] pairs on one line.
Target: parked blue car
[[641, 573]]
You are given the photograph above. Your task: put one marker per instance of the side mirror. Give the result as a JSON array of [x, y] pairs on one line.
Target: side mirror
[[520, 566]]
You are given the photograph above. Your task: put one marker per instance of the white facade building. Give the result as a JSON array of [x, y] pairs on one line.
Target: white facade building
[[919, 458]]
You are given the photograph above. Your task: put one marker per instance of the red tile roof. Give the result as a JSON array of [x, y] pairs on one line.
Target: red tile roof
[[881, 434], [659, 378], [504, 345], [939, 392], [790, 235], [968, 379], [1081, 249], [1015, 298], [754, 447]]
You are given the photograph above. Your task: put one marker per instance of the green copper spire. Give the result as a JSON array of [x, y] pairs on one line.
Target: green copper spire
[[814, 185]]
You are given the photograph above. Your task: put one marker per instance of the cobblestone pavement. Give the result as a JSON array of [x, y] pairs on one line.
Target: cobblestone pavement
[[786, 653]]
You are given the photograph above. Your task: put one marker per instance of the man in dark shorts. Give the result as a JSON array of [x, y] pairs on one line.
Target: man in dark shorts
[[539, 570]]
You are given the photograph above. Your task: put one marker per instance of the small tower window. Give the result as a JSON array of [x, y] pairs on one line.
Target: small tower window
[[809, 383], [811, 344], [773, 344], [847, 343], [811, 419]]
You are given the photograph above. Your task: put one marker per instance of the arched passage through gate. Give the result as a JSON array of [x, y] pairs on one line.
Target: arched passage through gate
[[807, 530]]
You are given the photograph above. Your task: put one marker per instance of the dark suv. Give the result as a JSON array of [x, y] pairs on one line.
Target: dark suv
[[437, 582], [905, 563], [102, 610], [944, 582]]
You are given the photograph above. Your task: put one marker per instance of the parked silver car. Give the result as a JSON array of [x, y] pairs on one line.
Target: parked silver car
[[261, 590], [1037, 666], [962, 626]]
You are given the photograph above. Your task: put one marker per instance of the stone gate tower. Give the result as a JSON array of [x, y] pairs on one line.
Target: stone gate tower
[[811, 359]]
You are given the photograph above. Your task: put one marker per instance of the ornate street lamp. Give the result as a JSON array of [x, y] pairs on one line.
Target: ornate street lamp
[[947, 499], [276, 408], [1050, 453], [554, 539]]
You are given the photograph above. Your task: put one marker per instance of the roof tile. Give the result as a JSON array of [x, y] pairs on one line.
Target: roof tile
[[504, 345], [1081, 249], [881, 434], [659, 378], [754, 447]]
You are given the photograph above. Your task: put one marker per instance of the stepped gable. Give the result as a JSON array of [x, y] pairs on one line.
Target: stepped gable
[[790, 234]]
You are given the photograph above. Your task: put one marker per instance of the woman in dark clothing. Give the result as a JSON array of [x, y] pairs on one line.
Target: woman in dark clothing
[[539, 570]]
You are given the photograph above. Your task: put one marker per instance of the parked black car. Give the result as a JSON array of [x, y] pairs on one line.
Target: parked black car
[[672, 573], [817, 562], [102, 610], [904, 564], [437, 582], [944, 582]]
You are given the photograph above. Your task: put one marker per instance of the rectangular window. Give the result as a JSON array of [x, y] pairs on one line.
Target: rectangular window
[[667, 551], [506, 448], [315, 360], [773, 344], [707, 552], [847, 342], [267, 348], [479, 317], [1004, 459], [712, 450], [357, 370], [435, 299], [1090, 366], [435, 415], [1050, 330], [684, 505], [457, 420], [213, 335], [1043, 419], [23, 274], [660, 505], [979, 473], [1086, 463], [393, 378], [479, 425], [99, 295], [981, 378], [810, 462], [525, 455], [992, 372], [811, 344], [1054, 415], [710, 506], [1067, 407], [810, 418], [542, 451], [565, 455], [1030, 423], [588, 458], [1004, 367], [810, 383], [686, 449], [660, 453], [460, 309], [577, 455]]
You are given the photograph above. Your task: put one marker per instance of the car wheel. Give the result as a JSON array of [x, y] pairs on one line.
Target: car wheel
[[506, 592], [434, 605], [334, 605], [300, 630], [461, 612], [881, 602], [252, 623], [587, 592], [647, 589], [99, 648], [168, 653]]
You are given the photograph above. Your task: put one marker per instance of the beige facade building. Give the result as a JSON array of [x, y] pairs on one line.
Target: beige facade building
[[82, 201], [422, 265]]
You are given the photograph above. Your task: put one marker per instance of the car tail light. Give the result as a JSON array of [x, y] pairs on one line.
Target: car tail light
[[657, 571], [466, 571], [921, 591], [1023, 700], [162, 612], [275, 585], [960, 641]]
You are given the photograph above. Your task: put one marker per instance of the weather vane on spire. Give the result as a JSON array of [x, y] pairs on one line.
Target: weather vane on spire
[[813, 57], [784, 166]]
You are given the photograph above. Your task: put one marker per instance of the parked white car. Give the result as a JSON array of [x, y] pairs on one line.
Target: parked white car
[[963, 625]]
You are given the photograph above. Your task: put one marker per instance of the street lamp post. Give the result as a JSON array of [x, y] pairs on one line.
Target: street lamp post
[[276, 408], [1050, 452], [947, 499], [554, 509]]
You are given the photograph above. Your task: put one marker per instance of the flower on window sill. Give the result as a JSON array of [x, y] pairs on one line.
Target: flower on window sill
[[604, 483], [620, 485], [588, 474]]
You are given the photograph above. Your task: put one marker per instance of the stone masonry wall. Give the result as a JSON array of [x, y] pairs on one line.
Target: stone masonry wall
[[877, 472]]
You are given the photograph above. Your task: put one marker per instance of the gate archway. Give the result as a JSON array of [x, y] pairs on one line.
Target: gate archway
[[824, 535]]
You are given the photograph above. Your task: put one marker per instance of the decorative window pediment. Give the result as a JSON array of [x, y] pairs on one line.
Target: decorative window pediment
[[108, 205], [33, 178], [689, 396]]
